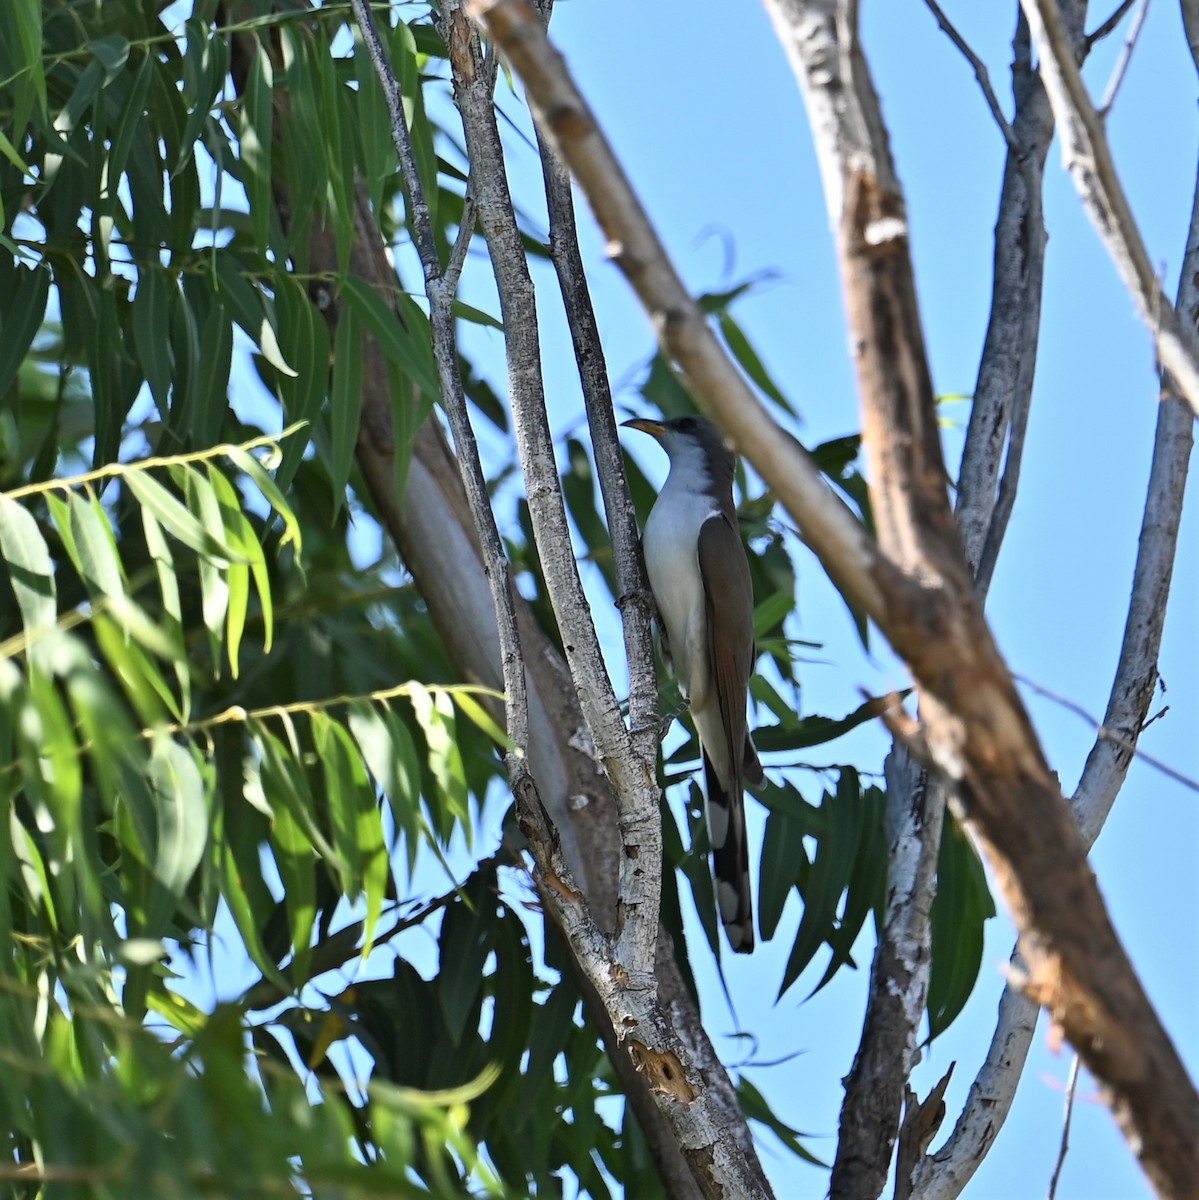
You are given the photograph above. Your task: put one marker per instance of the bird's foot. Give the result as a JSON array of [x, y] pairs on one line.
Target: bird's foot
[[662, 725]]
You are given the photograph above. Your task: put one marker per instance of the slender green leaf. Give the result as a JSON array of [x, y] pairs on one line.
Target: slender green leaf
[[244, 305], [255, 142], [435, 715], [182, 811], [178, 520], [345, 401], [396, 342], [296, 860], [751, 364], [828, 877], [22, 319], [151, 333], [97, 547], [782, 851], [305, 340], [29, 566], [465, 942]]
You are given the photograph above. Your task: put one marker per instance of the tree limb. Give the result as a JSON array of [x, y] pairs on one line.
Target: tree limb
[[1088, 157], [919, 591], [945, 1173]]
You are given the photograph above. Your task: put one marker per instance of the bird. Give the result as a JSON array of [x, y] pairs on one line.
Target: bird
[[699, 575]]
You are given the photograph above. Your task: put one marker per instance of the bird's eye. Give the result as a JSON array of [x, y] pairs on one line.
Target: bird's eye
[[687, 425]]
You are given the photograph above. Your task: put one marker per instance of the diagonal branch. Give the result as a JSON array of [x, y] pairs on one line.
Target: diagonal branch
[[919, 591], [1088, 157]]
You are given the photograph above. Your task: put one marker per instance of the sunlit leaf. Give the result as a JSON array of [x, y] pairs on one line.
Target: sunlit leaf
[[30, 568]]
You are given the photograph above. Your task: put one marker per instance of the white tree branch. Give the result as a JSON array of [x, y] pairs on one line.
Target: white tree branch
[[1088, 157], [945, 1173]]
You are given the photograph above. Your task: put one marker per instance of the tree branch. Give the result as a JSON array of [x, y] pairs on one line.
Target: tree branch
[[434, 535], [919, 592], [944, 1174], [620, 971], [1088, 157]]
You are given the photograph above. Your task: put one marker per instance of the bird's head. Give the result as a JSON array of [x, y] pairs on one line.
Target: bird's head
[[690, 440]]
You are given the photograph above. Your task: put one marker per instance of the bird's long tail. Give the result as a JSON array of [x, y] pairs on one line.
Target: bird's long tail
[[730, 858]]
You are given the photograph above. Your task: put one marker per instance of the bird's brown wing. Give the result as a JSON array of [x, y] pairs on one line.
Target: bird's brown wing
[[728, 602]]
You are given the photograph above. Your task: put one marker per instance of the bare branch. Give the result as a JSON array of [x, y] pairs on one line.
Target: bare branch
[[1098, 34], [981, 74], [921, 1120], [621, 970], [1061, 1154], [1121, 67], [945, 1173], [635, 601], [440, 290], [636, 787], [1088, 157], [1104, 734]]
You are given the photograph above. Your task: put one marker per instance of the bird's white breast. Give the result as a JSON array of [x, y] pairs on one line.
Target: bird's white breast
[[670, 542]]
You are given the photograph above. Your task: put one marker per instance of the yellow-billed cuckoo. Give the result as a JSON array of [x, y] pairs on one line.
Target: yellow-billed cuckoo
[[700, 579]]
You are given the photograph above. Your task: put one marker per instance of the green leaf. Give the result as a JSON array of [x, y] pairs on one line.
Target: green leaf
[[141, 679], [435, 715], [754, 1105], [463, 947], [828, 877], [304, 338], [242, 889], [961, 908], [740, 348], [151, 333], [799, 734], [22, 319], [296, 860], [212, 377], [390, 755], [782, 850], [132, 115], [29, 566], [112, 53], [244, 305], [261, 479], [159, 550], [242, 536], [345, 401], [177, 519], [396, 342], [182, 812], [255, 142], [96, 546], [28, 17], [345, 782]]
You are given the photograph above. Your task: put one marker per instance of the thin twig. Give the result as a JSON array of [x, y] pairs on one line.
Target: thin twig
[[1109, 735], [1110, 24], [1134, 32], [981, 74], [1061, 1154]]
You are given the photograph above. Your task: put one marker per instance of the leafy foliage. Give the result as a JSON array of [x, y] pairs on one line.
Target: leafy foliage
[[228, 732]]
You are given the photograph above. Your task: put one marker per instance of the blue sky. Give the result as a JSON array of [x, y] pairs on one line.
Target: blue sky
[[708, 120]]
